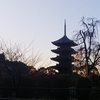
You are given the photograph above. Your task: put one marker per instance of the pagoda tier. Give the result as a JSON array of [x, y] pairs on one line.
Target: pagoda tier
[[64, 51], [63, 58], [64, 41], [63, 69]]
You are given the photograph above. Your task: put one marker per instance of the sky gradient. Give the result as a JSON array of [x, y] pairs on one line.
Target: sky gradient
[[22, 21]]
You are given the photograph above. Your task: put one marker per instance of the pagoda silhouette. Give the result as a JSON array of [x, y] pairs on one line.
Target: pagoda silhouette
[[64, 53]]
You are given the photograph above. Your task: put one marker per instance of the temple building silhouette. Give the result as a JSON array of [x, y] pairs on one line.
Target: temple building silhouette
[[64, 53]]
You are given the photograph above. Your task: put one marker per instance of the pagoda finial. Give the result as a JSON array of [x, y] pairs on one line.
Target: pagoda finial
[[65, 27]]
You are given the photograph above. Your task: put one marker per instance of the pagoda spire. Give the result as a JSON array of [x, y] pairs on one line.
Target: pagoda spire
[[65, 27]]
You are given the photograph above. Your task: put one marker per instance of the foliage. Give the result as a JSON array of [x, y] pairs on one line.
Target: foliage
[[94, 79], [25, 88], [7, 87], [44, 83], [73, 79], [83, 83], [61, 83], [15, 62], [17, 52], [14, 69]]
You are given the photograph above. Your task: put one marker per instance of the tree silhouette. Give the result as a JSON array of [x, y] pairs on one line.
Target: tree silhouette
[[14, 63], [88, 50]]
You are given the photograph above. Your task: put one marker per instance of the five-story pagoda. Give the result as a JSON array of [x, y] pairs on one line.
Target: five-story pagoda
[[64, 53]]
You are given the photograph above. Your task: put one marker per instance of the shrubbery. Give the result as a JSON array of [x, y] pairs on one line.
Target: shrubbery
[[25, 88], [47, 87], [7, 88], [83, 83], [62, 81]]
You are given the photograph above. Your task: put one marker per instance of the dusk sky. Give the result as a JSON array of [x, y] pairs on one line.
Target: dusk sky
[[22, 21]]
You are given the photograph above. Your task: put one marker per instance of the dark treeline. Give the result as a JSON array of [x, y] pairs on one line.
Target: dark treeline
[[17, 80]]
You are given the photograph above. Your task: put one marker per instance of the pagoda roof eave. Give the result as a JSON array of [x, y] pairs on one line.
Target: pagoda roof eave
[[58, 58], [60, 66], [58, 51], [64, 40]]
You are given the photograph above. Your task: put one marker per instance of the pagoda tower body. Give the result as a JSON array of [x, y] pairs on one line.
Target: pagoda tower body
[[64, 53]]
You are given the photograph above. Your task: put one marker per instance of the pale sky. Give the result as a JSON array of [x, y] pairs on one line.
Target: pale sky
[[23, 21]]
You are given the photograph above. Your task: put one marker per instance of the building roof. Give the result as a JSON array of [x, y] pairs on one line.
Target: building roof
[[63, 50], [63, 58], [59, 67], [64, 40]]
